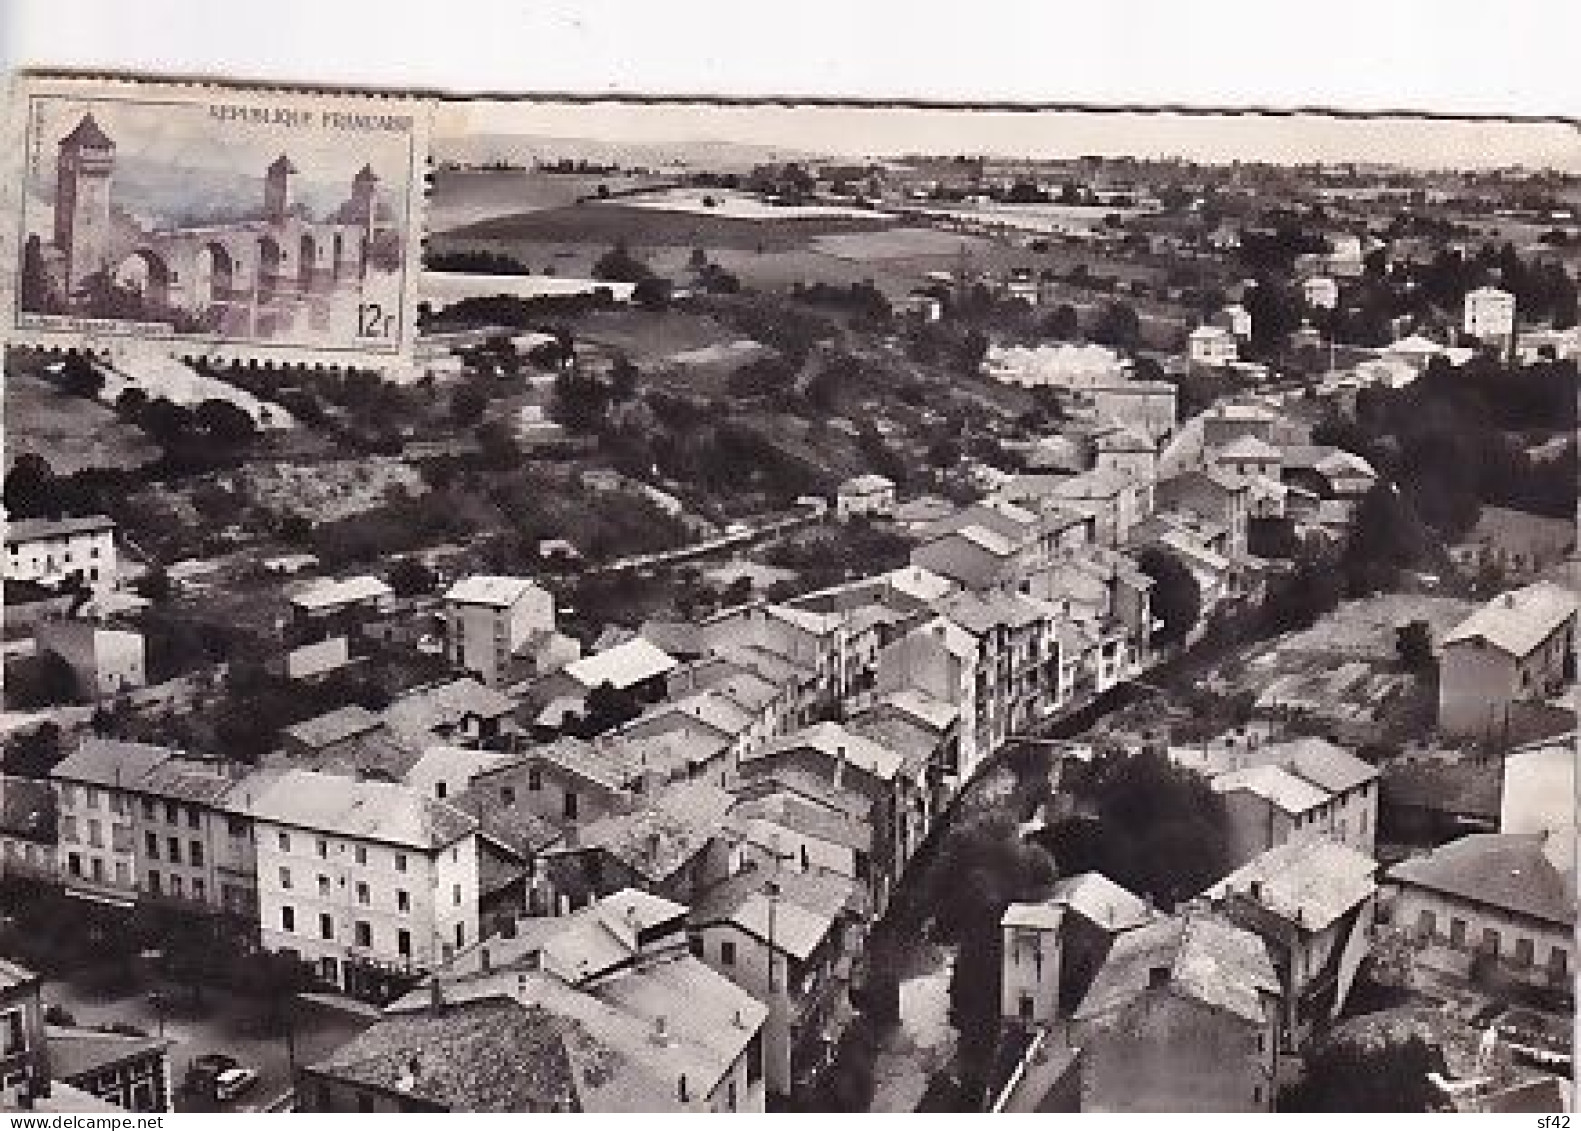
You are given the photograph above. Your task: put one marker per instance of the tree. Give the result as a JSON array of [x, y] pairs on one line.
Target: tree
[[468, 403], [79, 377], [973, 352], [1386, 1073], [1413, 642], [1063, 323], [38, 681], [31, 489], [34, 753], [618, 265], [224, 422], [623, 377], [1177, 598], [411, 578], [652, 293], [1118, 326], [131, 402]]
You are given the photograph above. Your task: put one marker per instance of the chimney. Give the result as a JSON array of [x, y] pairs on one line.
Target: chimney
[[653, 845], [1256, 890], [741, 1021], [1157, 977]]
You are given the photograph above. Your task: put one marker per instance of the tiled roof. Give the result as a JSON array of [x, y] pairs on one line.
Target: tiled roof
[[1322, 763], [756, 816], [1248, 447], [1208, 960], [76, 1053], [13, 975], [1101, 901], [1037, 916], [183, 779], [1275, 785], [624, 665], [835, 741], [608, 764], [110, 762], [360, 810], [669, 829], [1307, 881], [25, 530], [805, 906], [765, 779], [1518, 621], [418, 715], [334, 726], [487, 589], [517, 828], [919, 705], [1508, 871], [328, 594]]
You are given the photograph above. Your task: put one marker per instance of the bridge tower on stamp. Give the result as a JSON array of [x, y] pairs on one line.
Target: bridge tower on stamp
[[82, 201]]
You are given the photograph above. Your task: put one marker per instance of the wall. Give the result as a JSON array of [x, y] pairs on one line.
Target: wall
[[1031, 966], [1165, 1053], [110, 864], [1475, 683], [1411, 902]]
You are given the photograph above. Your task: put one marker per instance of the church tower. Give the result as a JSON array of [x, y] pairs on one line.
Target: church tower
[[82, 201], [363, 185], [277, 188]]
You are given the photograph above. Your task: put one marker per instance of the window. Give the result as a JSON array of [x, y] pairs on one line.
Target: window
[[1426, 925], [96, 867], [13, 1033], [455, 894], [364, 933], [755, 1058], [1025, 1007], [362, 894], [285, 842], [326, 926], [403, 943], [195, 853], [285, 878], [403, 900], [287, 918], [118, 804], [1524, 952], [1457, 932], [151, 842], [172, 813], [507, 796], [1490, 941], [361, 852], [727, 953], [74, 863], [154, 884], [175, 886], [570, 805], [95, 833], [323, 849], [91, 797], [400, 861], [68, 829], [534, 779], [1558, 962], [173, 845], [235, 826], [194, 817], [198, 889], [461, 935], [1262, 1041], [123, 874], [695, 945], [68, 795]]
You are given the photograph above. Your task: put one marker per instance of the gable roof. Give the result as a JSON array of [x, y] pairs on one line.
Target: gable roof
[[1309, 881], [1101, 901], [422, 712], [75, 1053], [1508, 871], [1518, 621], [1208, 960], [492, 590], [1248, 447], [334, 726], [110, 762], [836, 742], [386, 812], [1321, 762], [625, 665], [23, 530], [328, 594], [661, 836], [1274, 784]]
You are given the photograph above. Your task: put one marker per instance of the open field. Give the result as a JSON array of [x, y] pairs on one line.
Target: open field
[[611, 223], [733, 205], [460, 198], [71, 433]]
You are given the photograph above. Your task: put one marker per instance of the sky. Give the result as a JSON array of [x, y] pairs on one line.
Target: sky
[[855, 131]]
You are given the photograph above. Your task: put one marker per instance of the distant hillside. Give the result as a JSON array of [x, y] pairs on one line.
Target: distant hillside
[[478, 149]]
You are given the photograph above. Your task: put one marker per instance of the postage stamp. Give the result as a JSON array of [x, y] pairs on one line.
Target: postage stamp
[[226, 220]]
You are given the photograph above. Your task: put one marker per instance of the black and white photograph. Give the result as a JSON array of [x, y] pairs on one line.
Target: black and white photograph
[[838, 607]]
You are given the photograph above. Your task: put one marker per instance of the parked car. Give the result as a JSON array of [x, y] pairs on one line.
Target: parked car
[[233, 1082], [205, 1070]]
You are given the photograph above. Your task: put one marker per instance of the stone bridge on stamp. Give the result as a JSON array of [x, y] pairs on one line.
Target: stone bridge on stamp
[[244, 276]]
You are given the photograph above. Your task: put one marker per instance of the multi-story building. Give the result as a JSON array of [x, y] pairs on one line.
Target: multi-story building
[[1519, 648], [1490, 317], [51, 550], [1182, 1016], [868, 495], [1212, 346], [369, 882], [24, 1053], [600, 1011], [1312, 901], [1321, 292], [788, 938], [490, 619], [97, 857]]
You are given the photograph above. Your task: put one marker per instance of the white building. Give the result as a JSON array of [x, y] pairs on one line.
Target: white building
[[1239, 319], [1321, 292], [363, 878], [1490, 316], [489, 619], [870, 494], [1062, 366], [49, 550], [1212, 345]]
